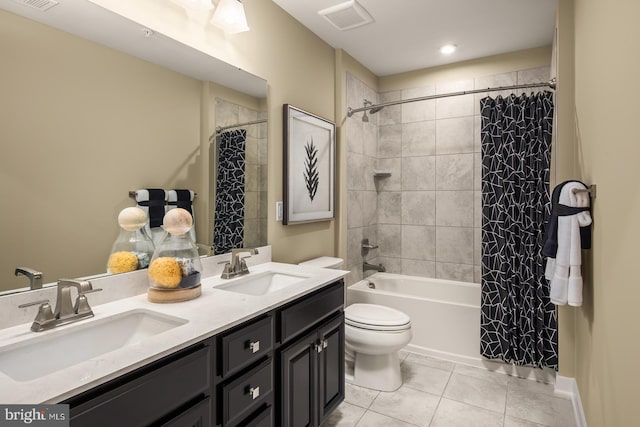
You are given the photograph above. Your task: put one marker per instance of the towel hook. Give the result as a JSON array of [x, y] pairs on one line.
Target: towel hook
[[591, 190]]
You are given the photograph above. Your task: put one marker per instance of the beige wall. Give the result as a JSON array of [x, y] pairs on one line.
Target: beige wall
[[80, 126], [521, 60], [156, 138], [607, 61], [564, 159], [300, 70]]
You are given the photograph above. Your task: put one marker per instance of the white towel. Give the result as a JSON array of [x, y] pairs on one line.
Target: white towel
[[565, 270]]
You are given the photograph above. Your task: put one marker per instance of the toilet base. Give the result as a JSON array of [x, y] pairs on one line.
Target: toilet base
[[378, 372]]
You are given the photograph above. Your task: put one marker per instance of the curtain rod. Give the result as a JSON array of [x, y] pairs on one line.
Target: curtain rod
[[551, 84], [219, 129]]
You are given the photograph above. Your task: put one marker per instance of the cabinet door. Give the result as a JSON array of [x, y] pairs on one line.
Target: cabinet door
[[298, 382], [330, 366]]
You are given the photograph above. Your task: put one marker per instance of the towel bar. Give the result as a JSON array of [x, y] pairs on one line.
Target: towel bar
[[591, 189], [132, 194]]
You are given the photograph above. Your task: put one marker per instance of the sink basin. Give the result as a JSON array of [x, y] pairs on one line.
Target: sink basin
[[59, 349], [262, 283]]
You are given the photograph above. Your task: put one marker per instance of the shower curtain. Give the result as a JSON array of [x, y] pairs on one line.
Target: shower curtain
[[228, 229], [518, 320]]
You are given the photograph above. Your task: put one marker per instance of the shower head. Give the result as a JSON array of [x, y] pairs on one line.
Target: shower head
[[365, 103]]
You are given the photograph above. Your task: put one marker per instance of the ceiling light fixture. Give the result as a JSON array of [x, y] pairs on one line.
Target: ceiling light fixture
[[448, 49], [229, 15], [195, 5]]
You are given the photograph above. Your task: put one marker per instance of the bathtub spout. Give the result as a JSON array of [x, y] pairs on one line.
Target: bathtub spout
[[379, 267]]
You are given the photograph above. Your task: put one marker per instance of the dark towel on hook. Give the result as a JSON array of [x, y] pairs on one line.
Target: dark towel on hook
[[184, 200], [550, 247], [156, 205]]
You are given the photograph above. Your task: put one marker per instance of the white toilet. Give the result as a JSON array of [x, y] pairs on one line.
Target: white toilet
[[373, 336]]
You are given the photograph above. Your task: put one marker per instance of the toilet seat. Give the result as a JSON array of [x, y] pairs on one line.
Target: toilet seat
[[376, 318]]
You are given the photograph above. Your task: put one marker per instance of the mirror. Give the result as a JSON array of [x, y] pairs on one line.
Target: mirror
[[241, 148], [83, 124]]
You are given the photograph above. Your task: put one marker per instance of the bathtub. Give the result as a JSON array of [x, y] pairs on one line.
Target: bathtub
[[445, 314], [445, 319]]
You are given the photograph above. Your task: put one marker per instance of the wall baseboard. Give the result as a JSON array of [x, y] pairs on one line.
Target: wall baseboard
[[569, 387]]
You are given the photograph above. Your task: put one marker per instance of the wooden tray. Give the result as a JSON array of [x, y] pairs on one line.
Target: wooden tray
[[173, 295]]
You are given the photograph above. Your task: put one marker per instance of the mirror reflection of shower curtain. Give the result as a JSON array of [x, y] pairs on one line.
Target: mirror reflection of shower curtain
[[518, 320], [228, 228]]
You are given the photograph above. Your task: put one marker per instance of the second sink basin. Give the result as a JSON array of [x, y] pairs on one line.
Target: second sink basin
[[262, 283], [59, 349]]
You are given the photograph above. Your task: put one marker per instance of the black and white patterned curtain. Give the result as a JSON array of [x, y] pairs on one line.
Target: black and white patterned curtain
[[228, 229], [518, 320]]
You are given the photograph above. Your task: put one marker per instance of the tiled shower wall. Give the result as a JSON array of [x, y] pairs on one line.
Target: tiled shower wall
[[428, 211], [255, 209], [362, 152]]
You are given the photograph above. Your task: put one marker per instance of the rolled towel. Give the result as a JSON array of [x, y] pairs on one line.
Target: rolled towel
[[558, 292], [566, 281]]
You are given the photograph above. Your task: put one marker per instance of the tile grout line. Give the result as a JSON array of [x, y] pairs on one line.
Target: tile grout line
[[441, 396]]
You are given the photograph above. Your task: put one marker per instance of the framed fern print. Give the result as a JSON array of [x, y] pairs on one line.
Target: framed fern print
[[309, 167]]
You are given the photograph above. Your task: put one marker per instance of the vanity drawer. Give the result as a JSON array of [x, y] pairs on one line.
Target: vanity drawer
[[300, 315], [144, 396], [263, 418], [246, 344], [246, 393], [198, 415]]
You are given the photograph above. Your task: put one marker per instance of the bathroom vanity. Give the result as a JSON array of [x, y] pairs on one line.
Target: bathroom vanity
[[275, 358]]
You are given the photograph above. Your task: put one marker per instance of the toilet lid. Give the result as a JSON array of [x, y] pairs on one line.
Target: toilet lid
[[373, 316]]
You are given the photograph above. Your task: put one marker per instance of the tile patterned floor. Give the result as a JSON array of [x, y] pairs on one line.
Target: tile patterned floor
[[438, 393]]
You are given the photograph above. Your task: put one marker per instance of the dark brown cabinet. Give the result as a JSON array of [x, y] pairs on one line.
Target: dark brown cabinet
[[330, 367], [281, 368], [174, 391], [311, 368], [199, 415]]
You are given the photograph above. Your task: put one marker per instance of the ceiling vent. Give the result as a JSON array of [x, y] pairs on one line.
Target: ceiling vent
[[347, 15], [38, 4]]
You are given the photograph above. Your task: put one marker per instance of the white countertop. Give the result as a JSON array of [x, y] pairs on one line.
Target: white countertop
[[213, 312]]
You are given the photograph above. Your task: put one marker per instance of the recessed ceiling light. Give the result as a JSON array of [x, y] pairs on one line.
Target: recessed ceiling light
[[448, 49]]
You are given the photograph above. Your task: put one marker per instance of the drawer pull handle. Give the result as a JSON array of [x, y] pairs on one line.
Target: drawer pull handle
[[325, 343], [254, 346], [254, 392], [318, 346]]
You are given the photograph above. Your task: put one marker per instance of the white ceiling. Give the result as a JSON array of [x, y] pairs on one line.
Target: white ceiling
[[92, 22], [406, 35]]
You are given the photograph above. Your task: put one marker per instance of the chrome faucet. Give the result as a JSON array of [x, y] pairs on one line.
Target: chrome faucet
[[35, 276], [379, 267], [65, 311], [237, 266]]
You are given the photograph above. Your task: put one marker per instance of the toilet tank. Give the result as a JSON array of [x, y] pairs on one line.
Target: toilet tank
[[324, 262]]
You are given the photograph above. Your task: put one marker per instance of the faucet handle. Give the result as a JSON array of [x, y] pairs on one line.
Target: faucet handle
[[82, 304], [29, 304], [44, 319]]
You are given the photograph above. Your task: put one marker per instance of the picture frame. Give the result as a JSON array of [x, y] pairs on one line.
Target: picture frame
[[309, 167]]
